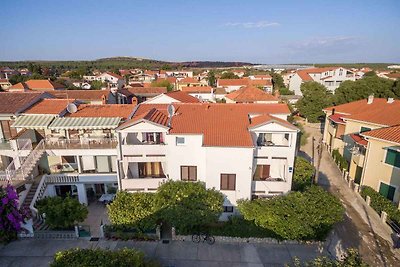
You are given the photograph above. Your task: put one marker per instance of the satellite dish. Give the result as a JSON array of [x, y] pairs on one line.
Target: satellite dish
[[171, 110], [72, 108]]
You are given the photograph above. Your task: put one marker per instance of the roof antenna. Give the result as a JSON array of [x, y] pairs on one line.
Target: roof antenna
[[171, 112]]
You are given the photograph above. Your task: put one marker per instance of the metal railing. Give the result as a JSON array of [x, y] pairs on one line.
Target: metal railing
[[83, 143], [38, 195]]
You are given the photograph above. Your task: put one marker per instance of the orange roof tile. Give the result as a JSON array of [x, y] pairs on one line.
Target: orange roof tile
[[112, 110], [81, 94], [182, 97], [197, 89], [43, 85], [305, 73], [223, 125], [250, 94], [147, 90], [358, 139], [11, 103], [232, 82], [338, 118], [49, 106], [391, 134], [265, 118], [189, 80]]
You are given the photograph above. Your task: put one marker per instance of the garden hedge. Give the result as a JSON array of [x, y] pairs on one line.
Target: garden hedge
[[303, 173], [340, 160]]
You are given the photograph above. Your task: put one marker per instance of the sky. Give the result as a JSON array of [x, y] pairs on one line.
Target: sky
[[301, 31]]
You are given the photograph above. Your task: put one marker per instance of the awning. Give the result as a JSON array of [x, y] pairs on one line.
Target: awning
[[33, 121], [79, 123]]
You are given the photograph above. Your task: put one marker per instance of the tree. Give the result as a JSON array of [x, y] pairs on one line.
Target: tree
[[370, 73], [133, 210], [187, 205], [350, 91], [315, 98], [97, 85], [62, 213], [163, 83], [308, 215], [211, 78], [10, 216], [396, 88], [229, 75], [303, 173]]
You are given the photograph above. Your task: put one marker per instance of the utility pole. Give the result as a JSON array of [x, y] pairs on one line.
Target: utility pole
[[313, 151], [319, 157]]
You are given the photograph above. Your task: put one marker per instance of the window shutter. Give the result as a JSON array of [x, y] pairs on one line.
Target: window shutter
[[184, 173], [390, 157], [192, 173], [265, 169]]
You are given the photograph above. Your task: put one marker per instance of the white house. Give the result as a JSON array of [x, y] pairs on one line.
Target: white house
[[172, 97], [203, 93], [112, 79], [244, 150], [330, 77]]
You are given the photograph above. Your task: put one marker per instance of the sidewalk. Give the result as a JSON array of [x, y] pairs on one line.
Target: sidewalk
[[362, 226]]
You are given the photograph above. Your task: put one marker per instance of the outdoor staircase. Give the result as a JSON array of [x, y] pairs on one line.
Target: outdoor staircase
[[29, 197]]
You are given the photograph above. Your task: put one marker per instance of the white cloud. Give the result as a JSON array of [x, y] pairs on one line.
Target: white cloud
[[325, 42], [257, 24]]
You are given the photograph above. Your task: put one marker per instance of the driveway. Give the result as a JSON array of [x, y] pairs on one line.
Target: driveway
[[177, 253], [361, 227]]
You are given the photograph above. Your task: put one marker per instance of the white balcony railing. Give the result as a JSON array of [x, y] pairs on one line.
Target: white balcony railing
[[83, 143], [142, 184], [144, 150]]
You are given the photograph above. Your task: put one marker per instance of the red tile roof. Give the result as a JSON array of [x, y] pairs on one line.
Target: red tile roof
[[114, 110], [182, 97], [266, 118], [232, 82], [39, 85], [11, 103], [305, 74], [113, 74], [250, 94], [147, 90], [361, 106], [153, 115], [49, 106], [391, 134], [338, 118], [359, 140], [388, 114], [395, 75], [223, 125], [81, 94], [197, 89], [262, 76], [189, 80]]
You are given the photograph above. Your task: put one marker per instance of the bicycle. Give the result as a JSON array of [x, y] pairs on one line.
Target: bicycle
[[196, 238]]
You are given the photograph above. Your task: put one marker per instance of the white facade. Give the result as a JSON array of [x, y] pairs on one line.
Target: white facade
[[111, 79]]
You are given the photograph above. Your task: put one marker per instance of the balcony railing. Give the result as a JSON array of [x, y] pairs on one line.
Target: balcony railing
[[142, 184], [83, 143], [5, 145]]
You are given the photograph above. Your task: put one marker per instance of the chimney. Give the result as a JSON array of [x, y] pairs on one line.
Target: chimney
[[333, 111], [103, 99], [390, 100], [249, 117], [370, 99]]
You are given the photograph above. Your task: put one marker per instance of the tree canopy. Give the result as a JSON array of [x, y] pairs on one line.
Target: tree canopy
[[303, 173], [211, 78], [350, 91], [229, 75], [163, 83], [315, 98]]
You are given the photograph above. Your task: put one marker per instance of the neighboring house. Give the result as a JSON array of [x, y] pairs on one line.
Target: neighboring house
[[179, 74], [5, 84], [330, 77], [89, 78], [82, 85], [84, 96], [348, 125], [112, 79], [244, 150], [188, 82], [287, 76], [261, 77], [392, 76], [235, 84], [219, 93], [203, 93], [36, 85], [7, 73], [144, 93], [250, 94], [172, 97]]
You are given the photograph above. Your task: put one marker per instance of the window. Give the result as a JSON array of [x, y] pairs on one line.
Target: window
[[387, 191], [150, 169], [103, 164], [228, 209], [189, 173], [364, 129], [392, 158], [287, 137], [153, 138], [228, 181], [180, 141], [262, 172], [264, 139]]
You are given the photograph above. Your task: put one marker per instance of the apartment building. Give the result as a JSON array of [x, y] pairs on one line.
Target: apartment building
[[361, 132], [245, 151], [330, 77], [112, 79], [203, 93]]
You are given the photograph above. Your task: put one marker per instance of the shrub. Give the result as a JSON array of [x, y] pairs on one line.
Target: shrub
[[62, 213], [308, 215], [77, 257], [352, 258], [10, 216], [303, 173], [303, 134], [340, 160], [133, 210], [188, 205], [379, 203]]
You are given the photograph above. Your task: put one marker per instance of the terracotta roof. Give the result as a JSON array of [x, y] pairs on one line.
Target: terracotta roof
[[395, 75], [189, 80], [260, 82], [232, 82], [49, 106], [147, 90], [220, 91], [11, 103], [250, 94], [4, 81], [40, 85], [338, 118], [112, 74], [266, 118], [391, 134], [262, 76], [361, 106], [305, 74], [182, 97], [114, 110], [389, 115], [81, 94], [153, 115], [359, 140], [197, 89]]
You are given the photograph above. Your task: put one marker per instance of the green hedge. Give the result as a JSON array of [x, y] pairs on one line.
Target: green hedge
[[379, 203], [340, 160], [308, 215], [78, 257], [303, 173]]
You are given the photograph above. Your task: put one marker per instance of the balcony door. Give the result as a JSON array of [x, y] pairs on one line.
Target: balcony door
[[150, 170]]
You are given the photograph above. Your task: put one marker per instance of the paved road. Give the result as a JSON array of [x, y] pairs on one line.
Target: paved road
[[177, 253], [362, 227]]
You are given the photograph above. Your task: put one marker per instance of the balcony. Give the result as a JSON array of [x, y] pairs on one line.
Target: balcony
[[270, 185], [83, 143], [144, 152], [358, 159], [142, 184]]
